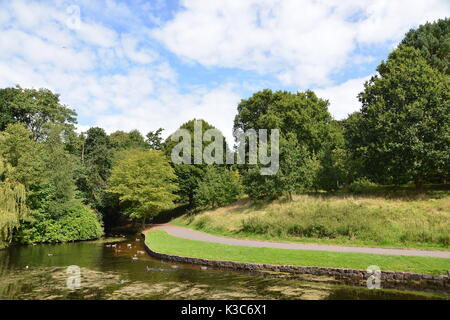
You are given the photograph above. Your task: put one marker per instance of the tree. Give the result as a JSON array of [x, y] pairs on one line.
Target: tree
[[298, 167], [22, 154], [154, 139], [189, 175], [433, 42], [219, 187], [306, 130], [145, 179], [403, 131], [96, 160], [46, 170], [301, 113], [121, 140], [13, 208], [34, 108]]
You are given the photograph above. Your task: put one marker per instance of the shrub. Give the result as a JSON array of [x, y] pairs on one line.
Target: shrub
[[76, 222], [361, 185], [219, 187]]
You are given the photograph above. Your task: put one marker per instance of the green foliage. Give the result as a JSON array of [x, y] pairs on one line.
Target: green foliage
[[307, 132], [13, 207], [154, 139], [21, 154], [301, 113], [189, 175], [34, 108], [261, 187], [360, 185], [75, 222], [46, 171], [96, 160], [219, 187], [402, 132], [121, 140], [188, 179], [298, 167], [433, 42], [144, 179]]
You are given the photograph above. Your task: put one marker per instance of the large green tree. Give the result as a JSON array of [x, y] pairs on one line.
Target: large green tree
[[306, 134], [301, 113], [403, 130], [189, 175], [145, 180]]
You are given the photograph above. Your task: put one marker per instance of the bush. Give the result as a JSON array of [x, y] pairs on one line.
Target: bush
[[76, 222], [259, 187], [219, 187], [361, 185]]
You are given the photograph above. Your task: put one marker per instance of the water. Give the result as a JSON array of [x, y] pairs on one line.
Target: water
[[107, 272]]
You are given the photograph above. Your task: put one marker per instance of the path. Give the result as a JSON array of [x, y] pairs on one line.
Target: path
[[185, 233]]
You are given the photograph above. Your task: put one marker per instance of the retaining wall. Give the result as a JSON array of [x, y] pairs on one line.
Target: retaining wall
[[389, 277]]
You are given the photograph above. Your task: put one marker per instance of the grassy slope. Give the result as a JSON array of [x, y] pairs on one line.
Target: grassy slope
[[161, 242], [418, 222]]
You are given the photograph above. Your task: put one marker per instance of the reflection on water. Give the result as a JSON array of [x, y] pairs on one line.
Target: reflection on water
[[120, 269]]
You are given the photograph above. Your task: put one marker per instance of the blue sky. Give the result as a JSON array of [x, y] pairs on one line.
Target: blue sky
[[148, 64]]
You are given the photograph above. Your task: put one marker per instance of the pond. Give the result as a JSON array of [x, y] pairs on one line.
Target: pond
[[120, 269]]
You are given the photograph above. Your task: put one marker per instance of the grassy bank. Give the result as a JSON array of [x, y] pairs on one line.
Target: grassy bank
[[161, 242], [416, 222]]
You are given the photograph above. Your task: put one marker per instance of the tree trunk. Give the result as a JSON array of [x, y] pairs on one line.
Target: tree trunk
[[143, 223], [418, 181]]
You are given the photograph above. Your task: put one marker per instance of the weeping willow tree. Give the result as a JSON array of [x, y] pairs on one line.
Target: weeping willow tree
[[13, 208]]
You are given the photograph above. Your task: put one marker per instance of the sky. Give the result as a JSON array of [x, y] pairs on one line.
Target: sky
[[126, 65]]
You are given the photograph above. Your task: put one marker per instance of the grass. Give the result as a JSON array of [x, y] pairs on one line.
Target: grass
[[162, 242], [403, 220]]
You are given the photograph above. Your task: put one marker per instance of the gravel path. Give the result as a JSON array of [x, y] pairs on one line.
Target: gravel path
[[190, 234]]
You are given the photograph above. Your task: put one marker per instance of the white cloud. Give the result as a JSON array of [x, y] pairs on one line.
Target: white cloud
[[81, 65], [115, 79], [172, 108], [301, 41], [343, 98], [96, 34], [144, 56]]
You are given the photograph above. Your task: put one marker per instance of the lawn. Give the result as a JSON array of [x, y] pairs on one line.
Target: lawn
[[401, 220], [162, 242]]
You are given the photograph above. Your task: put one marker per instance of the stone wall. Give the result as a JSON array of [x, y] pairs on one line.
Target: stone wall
[[350, 275]]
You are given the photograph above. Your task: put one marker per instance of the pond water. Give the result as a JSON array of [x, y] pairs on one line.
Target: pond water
[[108, 271]]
